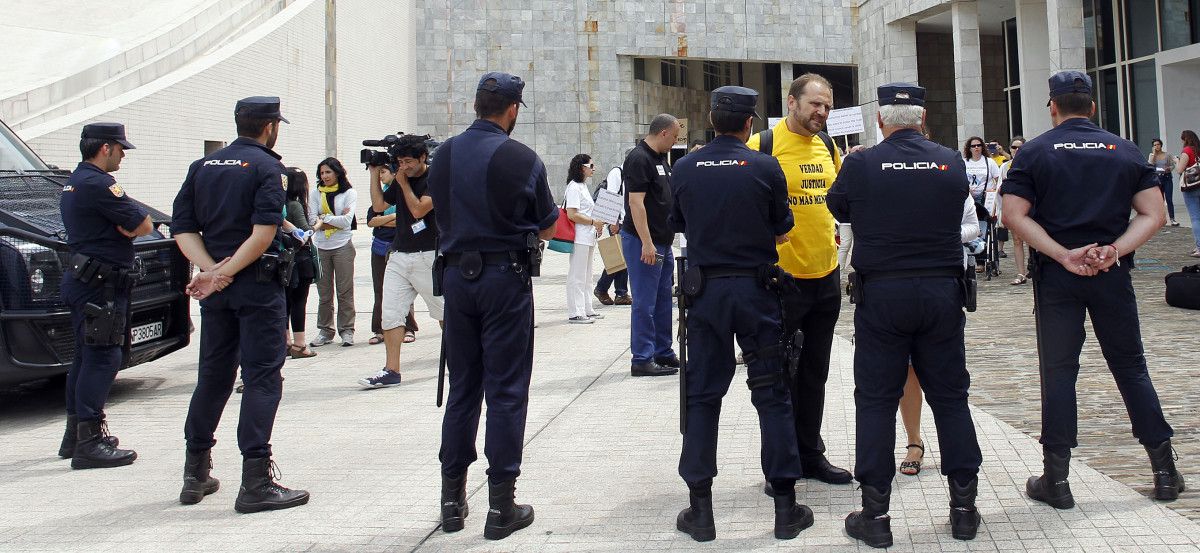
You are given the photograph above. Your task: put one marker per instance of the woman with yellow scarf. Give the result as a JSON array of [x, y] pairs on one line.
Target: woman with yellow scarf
[[333, 203]]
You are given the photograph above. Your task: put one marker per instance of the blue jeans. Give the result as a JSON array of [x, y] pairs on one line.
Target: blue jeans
[[1168, 185], [620, 280], [1191, 199], [650, 324]]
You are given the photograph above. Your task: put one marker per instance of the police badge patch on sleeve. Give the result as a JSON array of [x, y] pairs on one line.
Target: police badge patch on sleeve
[[117, 190]]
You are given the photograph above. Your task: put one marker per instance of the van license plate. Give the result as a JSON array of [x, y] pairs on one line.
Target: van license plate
[[146, 332]]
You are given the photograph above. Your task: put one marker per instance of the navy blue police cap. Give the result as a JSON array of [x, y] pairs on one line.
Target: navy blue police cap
[[1069, 82], [505, 84], [107, 131], [736, 99], [901, 94], [260, 107]]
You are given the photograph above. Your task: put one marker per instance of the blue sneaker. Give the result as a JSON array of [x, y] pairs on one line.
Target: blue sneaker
[[383, 379]]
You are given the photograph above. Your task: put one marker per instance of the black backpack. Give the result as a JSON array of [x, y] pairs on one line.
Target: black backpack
[[766, 143], [604, 185]]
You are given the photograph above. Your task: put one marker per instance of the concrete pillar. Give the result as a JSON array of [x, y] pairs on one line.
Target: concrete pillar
[[968, 74], [1064, 25], [899, 40], [1033, 42], [786, 70]]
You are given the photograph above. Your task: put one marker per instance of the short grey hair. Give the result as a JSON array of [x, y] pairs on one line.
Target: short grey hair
[[901, 115], [662, 122]]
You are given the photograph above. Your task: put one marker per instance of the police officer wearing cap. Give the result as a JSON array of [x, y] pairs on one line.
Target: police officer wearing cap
[[225, 220], [493, 204], [904, 199], [101, 222], [1069, 195], [731, 204]]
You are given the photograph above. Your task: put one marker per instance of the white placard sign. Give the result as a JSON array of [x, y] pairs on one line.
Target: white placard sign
[[608, 207], [845, 121], [772, 121]]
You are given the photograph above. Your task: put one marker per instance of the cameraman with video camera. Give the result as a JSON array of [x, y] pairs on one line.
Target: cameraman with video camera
[[409, 269]]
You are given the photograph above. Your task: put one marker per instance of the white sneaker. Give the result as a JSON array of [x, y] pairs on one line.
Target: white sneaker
[[580, 321], [347, 338], [321, 340], [596, 316]]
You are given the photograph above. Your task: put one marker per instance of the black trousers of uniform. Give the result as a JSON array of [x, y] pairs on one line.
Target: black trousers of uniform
[[815, 312], [921, 318], [1061, 300], [489, 340], [94, 368], [244, 324], [740, 308]]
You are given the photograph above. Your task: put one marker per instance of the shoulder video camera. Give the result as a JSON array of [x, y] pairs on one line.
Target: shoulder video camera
[[383, 151], [374, 157]]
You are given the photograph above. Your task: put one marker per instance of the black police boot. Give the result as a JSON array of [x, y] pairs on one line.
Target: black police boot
[[454, 502], [94, 451], [819, 468], [504, 515], [872, 524], [964, 518], [790, 517], [697, 520], [71, 435], [1168, 483], [1052, 487], [197, 480], [260, 492]]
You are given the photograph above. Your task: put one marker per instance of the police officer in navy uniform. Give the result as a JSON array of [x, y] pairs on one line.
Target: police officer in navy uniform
[[493, 204], [1069, 195], [225, 220], [904, 199], [731, 204], [101, 222]]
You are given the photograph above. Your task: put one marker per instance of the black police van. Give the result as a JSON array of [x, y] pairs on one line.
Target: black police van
[[36, 338]]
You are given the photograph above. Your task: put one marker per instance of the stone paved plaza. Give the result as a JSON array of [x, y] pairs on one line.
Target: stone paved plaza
[[601, 454]]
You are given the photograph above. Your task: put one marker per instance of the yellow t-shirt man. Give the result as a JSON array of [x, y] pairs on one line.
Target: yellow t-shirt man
[[810, 251]]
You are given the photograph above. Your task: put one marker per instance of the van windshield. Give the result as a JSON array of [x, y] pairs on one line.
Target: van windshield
[[15, 155]]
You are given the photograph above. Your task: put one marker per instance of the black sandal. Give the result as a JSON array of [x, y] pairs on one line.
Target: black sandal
[[913, 468]]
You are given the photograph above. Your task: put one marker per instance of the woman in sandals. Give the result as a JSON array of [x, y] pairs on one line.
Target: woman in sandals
[[1018, 244], [305, 270]]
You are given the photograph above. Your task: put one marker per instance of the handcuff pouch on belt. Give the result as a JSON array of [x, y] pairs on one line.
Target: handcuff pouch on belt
[[470, 264], [267, 268], [693, 282]]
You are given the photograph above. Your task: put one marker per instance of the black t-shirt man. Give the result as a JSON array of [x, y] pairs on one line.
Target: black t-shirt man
[[646, 170], [412, 235]]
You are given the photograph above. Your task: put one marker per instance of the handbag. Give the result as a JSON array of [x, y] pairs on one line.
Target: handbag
[[1191, 178], [564, 232]]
